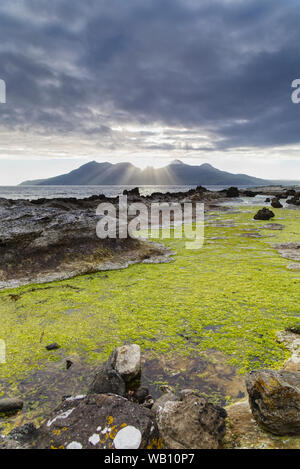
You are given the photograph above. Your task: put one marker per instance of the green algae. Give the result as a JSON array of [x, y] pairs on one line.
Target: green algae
[[231, 296]]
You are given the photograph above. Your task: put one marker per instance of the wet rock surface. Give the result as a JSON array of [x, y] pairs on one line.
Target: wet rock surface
[[189, 421], [288, 250], [272, 226], [99, 422], [275, 400], [52, 239]]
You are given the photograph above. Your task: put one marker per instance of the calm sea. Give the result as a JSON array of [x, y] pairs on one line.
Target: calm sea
[[50, 192]]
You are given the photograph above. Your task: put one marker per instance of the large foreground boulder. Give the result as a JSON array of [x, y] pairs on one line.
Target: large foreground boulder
[[274, 399], [189, 421], [99, 422]]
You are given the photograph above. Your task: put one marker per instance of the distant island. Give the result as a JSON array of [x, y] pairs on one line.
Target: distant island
[[176, 172]]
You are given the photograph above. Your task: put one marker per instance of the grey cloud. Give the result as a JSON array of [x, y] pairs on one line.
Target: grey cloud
[[221, 67]]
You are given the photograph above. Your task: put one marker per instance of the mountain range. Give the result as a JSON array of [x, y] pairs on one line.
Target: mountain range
[[176, 172]]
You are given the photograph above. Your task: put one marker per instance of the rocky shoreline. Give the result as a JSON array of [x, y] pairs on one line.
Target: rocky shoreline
[[117, 413], [246, 425], [54, 239]]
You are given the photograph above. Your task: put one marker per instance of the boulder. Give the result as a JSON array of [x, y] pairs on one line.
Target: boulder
[[99, 422], [128, 362], [115, 376], [108, 380], [264, 214], [274, 398], [232, 192], [10, 405], [189, 421], [276, 203], [294, 200]]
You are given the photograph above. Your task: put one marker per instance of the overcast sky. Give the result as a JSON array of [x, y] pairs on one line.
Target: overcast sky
[[148, 81]]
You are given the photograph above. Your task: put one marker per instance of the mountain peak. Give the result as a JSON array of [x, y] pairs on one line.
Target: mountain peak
[[176, 162]]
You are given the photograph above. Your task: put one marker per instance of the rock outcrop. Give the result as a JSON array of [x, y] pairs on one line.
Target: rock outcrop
[[53, 239], [274, 399]]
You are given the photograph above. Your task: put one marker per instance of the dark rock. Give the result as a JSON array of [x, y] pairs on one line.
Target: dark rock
[[294, 200], [232, 192], [249, 193], [10, 405], [264, 214], [189, 421], [200, 189], [295, 329], [121, 369], [274, 399], [54, 346], [25, 433], [276, 203], [268, 200], [141, 394], [20, 437], [134, 192], [108, 380], [69, 363], [99, 422]]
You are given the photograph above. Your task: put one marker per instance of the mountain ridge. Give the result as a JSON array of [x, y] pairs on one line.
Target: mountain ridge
[[177, 172]]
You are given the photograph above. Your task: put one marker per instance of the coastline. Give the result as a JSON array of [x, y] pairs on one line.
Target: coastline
[[66, 303]]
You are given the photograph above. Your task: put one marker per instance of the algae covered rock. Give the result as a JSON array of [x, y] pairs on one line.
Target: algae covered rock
[[274, 399], [189, 421], [99, 422]]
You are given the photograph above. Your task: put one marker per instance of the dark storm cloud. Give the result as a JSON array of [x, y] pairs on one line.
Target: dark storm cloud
[[221, 66]]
